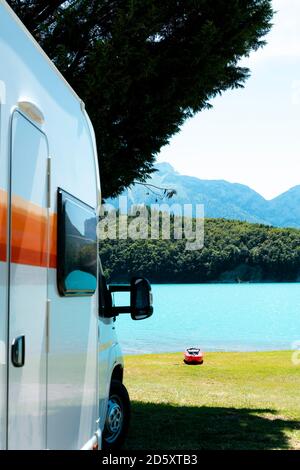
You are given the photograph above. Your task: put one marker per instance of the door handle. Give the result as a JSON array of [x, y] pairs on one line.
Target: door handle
[[18, 351]]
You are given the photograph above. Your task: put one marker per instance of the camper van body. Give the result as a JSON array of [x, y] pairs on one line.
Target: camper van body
[[58, 398]]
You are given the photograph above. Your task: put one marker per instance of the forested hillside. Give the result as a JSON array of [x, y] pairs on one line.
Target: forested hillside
[[233, 251]]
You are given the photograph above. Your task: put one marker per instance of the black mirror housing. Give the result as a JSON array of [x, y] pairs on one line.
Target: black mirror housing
[[140, 299]]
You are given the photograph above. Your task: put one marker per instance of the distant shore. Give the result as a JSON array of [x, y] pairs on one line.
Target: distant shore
[[207, 350], [265, 281]]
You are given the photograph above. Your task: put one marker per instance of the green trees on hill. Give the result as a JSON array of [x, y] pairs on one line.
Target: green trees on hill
[[233, 251]]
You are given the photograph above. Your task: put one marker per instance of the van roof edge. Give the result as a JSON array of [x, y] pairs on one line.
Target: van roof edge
[[36, 44]]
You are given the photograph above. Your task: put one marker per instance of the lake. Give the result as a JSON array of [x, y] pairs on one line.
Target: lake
[[215, 317]]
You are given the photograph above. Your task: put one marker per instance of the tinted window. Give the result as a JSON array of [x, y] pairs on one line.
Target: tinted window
[[77, 246]]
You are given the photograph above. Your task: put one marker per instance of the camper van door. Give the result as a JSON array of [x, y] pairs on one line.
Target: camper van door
[[28, 286]]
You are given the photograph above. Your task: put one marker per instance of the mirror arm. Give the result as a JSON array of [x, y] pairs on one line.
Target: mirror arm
[[137, 285], [119, 287], [117, 310]]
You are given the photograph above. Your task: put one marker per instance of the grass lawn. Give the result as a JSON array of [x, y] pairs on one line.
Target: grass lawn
[[232, 401]]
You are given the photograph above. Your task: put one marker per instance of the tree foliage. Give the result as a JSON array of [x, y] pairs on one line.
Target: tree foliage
[[233, 251], [144, 66]]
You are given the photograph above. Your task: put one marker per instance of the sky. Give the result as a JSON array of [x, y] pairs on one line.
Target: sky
[[251, 135]]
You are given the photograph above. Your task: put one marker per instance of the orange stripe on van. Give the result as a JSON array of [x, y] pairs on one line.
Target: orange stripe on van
[[29, 233]]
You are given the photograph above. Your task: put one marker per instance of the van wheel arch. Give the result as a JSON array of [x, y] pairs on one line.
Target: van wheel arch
[[118, 373]]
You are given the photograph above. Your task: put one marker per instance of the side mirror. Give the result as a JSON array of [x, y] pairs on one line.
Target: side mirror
[[140, 299]]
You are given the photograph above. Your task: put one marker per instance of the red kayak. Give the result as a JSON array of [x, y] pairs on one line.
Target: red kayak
[[193, 356]]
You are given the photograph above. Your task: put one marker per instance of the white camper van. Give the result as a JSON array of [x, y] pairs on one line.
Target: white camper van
[[61, 367]]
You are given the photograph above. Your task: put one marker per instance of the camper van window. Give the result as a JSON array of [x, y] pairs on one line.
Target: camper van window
[[77, 247]]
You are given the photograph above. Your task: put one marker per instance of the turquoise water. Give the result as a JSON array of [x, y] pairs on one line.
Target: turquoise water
[[216, 317]]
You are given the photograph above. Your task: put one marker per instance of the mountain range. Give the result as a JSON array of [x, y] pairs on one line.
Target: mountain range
[[221, 199]]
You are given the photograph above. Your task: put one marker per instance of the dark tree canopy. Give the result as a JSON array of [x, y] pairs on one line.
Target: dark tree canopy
[[143, 66]]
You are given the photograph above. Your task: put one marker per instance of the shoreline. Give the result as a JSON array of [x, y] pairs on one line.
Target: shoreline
[[209, 351], [161, 283]]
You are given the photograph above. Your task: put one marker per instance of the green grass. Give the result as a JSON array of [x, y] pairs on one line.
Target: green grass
[[232, 401]]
